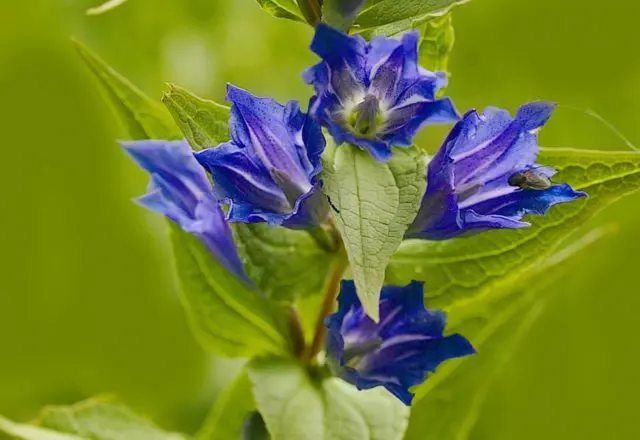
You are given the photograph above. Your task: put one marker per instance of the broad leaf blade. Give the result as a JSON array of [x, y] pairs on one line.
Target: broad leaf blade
[[462, 272], [450, 403], [340, 14], [296, 406], [282, 9], [390, 17], [204, 123], [286, 264], [227, 316], [375, 203], [93, 419], [142, 117], [227, 417]]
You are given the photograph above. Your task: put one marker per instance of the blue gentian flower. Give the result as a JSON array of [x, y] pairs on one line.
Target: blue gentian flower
[[180, 190], [485, 176], [399, 351], [374, 95], [269, 170]]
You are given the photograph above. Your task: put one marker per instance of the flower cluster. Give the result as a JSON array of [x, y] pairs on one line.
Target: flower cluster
[[373, 96]]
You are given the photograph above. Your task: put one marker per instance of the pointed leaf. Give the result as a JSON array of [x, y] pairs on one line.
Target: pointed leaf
[[462, 272], [142, 117], [227, 316], [375, 204], [204, 123], [297, 406], [282, 9]]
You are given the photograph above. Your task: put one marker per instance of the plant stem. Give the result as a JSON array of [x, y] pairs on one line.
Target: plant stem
[[331, 293], [312, 11]]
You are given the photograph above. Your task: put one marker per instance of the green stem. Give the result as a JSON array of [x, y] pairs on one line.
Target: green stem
[[328, 305], [312, 11]]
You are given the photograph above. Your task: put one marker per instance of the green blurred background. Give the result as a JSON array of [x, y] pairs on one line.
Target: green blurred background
[[87, 298]]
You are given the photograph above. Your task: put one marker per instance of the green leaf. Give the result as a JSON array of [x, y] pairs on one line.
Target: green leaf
[[340, 14], [390, 17], [450, 403], [375, 204], [255, 428], [286, 264], [94, 419], [282, 9], [226, 315], [142, 117], [436, 42], [105, 7], [204, 123], [227, 417], [297, 406], [462, 274]]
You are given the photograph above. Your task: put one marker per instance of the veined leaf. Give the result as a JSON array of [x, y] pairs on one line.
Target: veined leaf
[[463, 274], [449, 404], [142, 117], [436, 42], [226, 315], [297, 406], [282, 9], [341, 13], [94, 419], [286, 264], [390, 17], [375, 203], [227, 417], [204, 123]]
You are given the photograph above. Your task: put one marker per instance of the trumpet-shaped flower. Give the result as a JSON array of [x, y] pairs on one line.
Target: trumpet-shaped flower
[[374, 95], [269, 170], [181, 191], [485, 176], [399, 351]]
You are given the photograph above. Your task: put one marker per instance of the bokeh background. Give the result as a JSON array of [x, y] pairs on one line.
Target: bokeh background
[[87, 298]]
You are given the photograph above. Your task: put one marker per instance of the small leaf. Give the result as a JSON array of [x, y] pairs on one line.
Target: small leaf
[[463, 272], [297, 406], [375, 203], [226, 315], [389, 17], [142, 117], [204, 123], [436, 42], [341, 13], [93, 419], [227, 417], [282, 9], [105, 7], [286, 264]]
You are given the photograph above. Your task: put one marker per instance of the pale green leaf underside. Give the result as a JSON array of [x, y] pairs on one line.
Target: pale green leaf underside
[[282, 9], [227, 316], [375, 204], [390, 17], [94, 419], [449, 404], [297, 407], [462, 273], [436, 42], [204, 123], [226, 418], [286, 264]]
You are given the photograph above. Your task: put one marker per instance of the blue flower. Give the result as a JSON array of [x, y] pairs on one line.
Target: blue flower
[[269, 170], [397, 353], [485, 176], [180, 190], [374, 95]]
